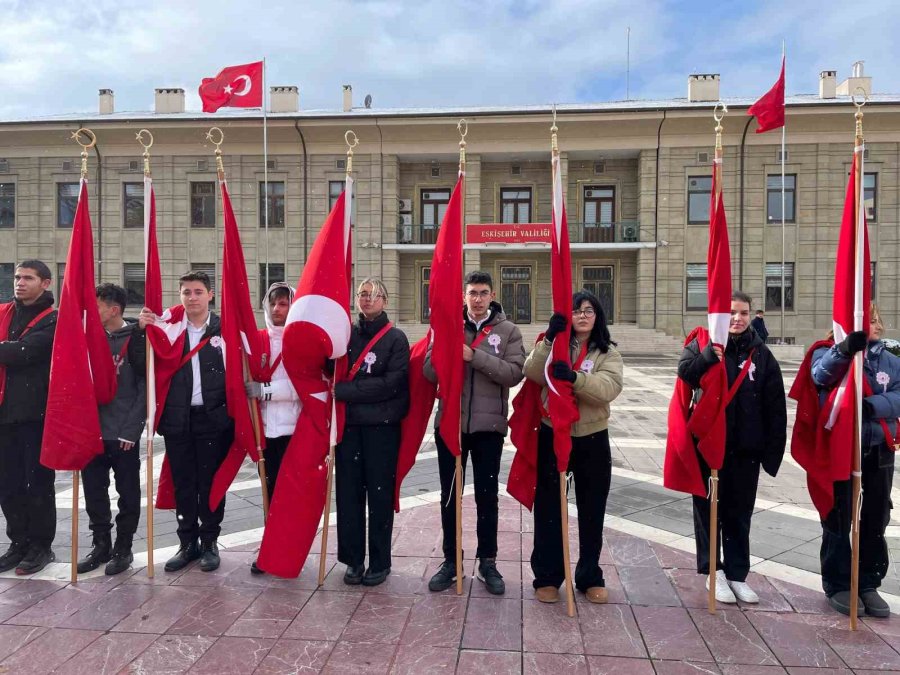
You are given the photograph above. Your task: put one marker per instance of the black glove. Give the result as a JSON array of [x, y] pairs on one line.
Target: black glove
[[556, 326], [854, 342], [562, 371], [868, 409]]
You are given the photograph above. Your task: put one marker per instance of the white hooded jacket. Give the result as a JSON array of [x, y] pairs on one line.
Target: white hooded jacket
[[278, 400]]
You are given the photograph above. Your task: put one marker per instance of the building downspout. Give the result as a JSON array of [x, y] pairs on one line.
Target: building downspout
[[381, 197], [741, 219], [305, 192], [656, 220]]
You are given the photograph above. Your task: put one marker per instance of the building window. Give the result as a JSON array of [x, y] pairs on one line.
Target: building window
[[133, 281], [273, 201], [335, 188], [699, 192], [433, 207], [870, 196], [424, 284], [7, 205], [598, 279], [210, 269], [203, 204], [873, 272], [515, 205], [696, 292], [66, 203], [276, 273], [773, 198], [7, 274], [773, 286], [133, 200], [60, 275]]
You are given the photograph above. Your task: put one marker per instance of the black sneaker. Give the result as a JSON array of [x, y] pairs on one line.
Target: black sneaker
[[256, 569], [493, 580], [185, 556], [121, 560], [874, 603], [840, 601], [444, 578], [371, 578], [98, 555], [13, 556], [209, 557], [38, 558], [354, 575]]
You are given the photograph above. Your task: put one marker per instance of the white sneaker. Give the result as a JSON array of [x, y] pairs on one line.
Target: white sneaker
[[723, 592], [743, 592]]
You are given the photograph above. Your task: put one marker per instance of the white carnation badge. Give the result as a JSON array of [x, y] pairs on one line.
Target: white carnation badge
[[587, 366], [369, 360], [883, 379], [216, 341], [494, 341], [750, 372]]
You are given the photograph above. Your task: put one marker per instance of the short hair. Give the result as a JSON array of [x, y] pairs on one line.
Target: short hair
[[740, 296], [195, 275], [279, 292], [113, 295], [38, 266], [376, 284], [759, 311], [479, 277]]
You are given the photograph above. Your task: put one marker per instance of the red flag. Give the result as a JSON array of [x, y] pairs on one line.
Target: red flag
[[446, 317], [769, 109], [234, 87], [241, 336], [82, 374], [317, 329], [152, 276]]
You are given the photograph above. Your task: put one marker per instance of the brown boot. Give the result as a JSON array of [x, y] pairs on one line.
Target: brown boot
[[546, 594], [597, 595]]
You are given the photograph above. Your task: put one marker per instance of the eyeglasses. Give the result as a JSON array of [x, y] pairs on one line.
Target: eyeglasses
[[587, 313], [369, 296], [479, 294]]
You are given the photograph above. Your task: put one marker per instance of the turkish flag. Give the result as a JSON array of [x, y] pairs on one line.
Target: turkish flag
[[447, 318], [82, 373], [152, 276], [234, 87], [317, 330], [769, 109]]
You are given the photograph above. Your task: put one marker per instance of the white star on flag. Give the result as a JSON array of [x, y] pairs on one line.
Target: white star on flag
[[228, 89]]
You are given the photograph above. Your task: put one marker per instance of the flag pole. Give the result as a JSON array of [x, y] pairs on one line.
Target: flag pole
[[151, 363], [563, 496], [265, 95], [783, 203], [463, 128], [858, 313]]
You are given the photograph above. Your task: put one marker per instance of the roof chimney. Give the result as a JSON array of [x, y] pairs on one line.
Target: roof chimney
[[107, 102], [827, 84], [284, 99], [170, 100], [856, 82], [348, 98], [703, 87]]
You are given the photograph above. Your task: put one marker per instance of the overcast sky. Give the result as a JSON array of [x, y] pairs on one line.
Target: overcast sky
[[55, 55]]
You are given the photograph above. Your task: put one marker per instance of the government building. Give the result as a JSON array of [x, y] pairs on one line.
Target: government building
[[636, 176]]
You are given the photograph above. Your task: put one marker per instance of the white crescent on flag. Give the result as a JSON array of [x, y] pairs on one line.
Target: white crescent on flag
[[328, 315], [248, 84]]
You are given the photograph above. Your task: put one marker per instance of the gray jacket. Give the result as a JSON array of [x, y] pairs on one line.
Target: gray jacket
[[123, 418], [495, 367]]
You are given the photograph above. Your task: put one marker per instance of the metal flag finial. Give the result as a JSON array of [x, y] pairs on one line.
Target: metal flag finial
[[463, 128], [210, 136], [554, 144], [718, 117], [85, 146], [859, 108], [352, 141], [139, 136]]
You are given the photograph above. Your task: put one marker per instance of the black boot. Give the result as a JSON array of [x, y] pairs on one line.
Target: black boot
[[13, 556], [122, 557], [98, 555], [209, 556], [187, 554]]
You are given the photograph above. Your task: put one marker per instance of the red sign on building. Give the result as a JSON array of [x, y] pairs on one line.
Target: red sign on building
[[508, 233]]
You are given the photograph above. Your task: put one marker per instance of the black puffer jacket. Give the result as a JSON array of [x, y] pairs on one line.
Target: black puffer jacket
[[757, 415], [379, 393], [27, 362], [122, 419]]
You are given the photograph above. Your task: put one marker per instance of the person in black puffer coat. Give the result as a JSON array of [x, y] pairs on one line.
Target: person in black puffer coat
[[377, 398]]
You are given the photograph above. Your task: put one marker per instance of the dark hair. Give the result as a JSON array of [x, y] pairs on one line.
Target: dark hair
[[759, 311], [479, 277], [194, 275], [38, 266], [740, 296], [600, 332], [279, 292], [113, 295]]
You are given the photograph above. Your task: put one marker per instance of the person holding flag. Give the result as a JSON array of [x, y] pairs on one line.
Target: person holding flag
[[376, 394], [27, 496], [493, 358], [596, 378]]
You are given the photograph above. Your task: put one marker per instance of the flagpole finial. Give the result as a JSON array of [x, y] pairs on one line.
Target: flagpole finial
[[554, 144], [718, 117], [352, 141], [463, 128], [91, 142], [146, 155], [210, 136], [859, 103]]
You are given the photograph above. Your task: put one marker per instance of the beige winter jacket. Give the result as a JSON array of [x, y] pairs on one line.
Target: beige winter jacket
[[594, 388]]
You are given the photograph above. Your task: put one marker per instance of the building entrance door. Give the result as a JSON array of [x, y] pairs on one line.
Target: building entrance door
[[515, 292], [599, 280]]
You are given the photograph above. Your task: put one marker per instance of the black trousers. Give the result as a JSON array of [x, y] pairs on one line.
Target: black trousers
[[485, 447], [591, 466], [274, 453], [194, 459], [126, 467], [835, 554], [27, 494], [366, 470], [738, 480]]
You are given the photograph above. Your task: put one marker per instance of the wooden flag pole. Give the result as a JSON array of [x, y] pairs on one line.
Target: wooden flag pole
[[74, 577], [327, 514], [463, 128], [257, 437]]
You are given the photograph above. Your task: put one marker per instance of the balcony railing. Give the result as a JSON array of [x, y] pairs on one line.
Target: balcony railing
[[417, 234], [622, 231]]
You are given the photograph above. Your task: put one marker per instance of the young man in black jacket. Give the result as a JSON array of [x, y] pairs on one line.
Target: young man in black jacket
[[27, 494], [195, 426], [121, 423], [756, 431]]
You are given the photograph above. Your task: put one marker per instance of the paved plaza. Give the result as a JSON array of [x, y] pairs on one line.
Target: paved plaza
[[232, 622]]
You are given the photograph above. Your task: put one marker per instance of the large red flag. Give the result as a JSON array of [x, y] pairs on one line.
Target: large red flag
[[152, 276], [241, 337], [444, 292], [769, 109], [317, 329], [233, 87], [82, 373]]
